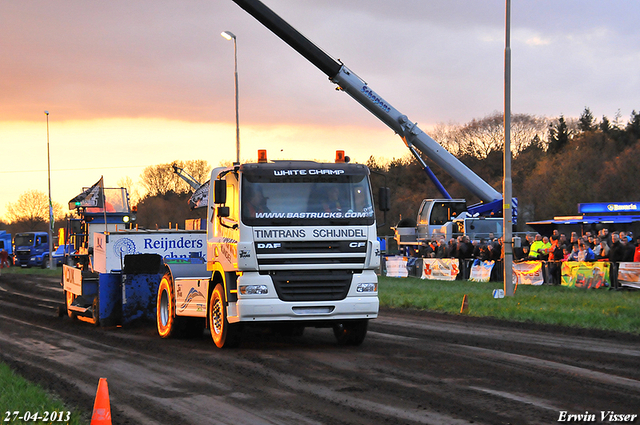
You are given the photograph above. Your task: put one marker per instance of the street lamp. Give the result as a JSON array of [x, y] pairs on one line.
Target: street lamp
[[52, 266], [231, 36], [507, 208]]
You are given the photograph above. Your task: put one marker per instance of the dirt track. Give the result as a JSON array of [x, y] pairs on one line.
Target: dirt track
[[412, 369]]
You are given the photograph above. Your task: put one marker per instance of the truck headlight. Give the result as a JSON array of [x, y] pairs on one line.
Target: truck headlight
[[367, 287], [254, 289]]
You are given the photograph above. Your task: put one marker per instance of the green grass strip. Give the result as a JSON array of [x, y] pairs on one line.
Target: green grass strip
[[591, 309], [32, 270], [20, 398]]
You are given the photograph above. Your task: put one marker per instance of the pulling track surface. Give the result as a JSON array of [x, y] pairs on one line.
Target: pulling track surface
[[413, 368]]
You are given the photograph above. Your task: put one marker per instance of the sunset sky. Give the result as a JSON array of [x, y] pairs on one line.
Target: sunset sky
[[132, 84]]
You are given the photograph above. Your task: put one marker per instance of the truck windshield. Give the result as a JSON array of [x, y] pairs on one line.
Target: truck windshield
[[115, 201], [306, 200], [23, 239], [441, 213]]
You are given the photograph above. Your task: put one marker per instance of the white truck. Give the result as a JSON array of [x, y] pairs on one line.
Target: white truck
[[289, 243]]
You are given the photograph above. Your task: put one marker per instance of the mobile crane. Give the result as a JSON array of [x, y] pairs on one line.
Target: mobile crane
[[200, 190], [413, 137]]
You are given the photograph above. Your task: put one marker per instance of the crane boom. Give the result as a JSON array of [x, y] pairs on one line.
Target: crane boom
[[359, 90], [186, 177]]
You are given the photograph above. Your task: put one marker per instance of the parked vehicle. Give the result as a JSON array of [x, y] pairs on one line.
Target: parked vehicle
[[31, 249]]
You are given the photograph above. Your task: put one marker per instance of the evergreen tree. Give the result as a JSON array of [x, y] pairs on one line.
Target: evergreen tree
[[558, 135], [605, 125], [586, 122], [633, 127]]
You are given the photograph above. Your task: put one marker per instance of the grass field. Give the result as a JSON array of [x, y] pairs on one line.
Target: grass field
[[593, 309], [33, 270], [19, 397], [22, 399]]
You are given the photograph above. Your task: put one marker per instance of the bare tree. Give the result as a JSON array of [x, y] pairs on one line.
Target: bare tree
[[33, 206], [526, 128], [158, 179], [480, 137], [199, 169], [447, 136], [132, 189]]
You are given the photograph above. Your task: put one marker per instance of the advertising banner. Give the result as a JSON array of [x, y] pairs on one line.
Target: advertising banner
[[72, 280], [481, 271], [440, 268], [528, 273], [629, 275], [590, 275], [396, 266], [99, 254], [109, 252]]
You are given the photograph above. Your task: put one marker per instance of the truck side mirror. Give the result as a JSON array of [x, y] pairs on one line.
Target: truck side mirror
[[384, 199], [220, 191], [223, 212]]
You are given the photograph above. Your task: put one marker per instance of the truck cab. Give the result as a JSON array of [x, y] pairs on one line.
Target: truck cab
[[31, 249], [290, 244], [435, 213]]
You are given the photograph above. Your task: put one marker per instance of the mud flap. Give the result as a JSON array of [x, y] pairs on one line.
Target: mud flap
[[140, 279]]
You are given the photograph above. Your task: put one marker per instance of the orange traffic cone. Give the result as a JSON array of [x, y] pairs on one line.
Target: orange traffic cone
[[465, 304], [101, 408]]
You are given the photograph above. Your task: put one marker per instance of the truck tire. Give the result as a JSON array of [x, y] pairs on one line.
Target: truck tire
[[352, 332], [69, 297], [168, 325], [45, 263], [223, 333]]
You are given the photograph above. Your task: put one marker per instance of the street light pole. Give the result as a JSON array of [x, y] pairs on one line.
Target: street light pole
[[507, 209], [231, 36], [51, 265]]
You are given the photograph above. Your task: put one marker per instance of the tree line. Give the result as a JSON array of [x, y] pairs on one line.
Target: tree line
[[557, 163]]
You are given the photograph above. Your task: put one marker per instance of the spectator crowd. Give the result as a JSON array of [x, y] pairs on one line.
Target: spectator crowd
[[614, 247]]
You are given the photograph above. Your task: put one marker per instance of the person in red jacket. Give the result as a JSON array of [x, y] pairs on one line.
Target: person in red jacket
[[4, 259], [636, 255]]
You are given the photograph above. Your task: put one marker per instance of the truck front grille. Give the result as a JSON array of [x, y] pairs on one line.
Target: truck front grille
[[345, 255], [316, 285]]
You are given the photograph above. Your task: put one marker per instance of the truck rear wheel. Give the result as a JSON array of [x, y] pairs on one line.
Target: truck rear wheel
[[223, 333], [352, 332], [169, 326]]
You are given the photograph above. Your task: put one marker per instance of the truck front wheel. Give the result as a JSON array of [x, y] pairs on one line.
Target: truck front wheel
[[165, 310], [223, 333], [352, 332]]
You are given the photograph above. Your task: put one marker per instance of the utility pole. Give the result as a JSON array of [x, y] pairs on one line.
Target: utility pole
[[51, 265], [507, 211]]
